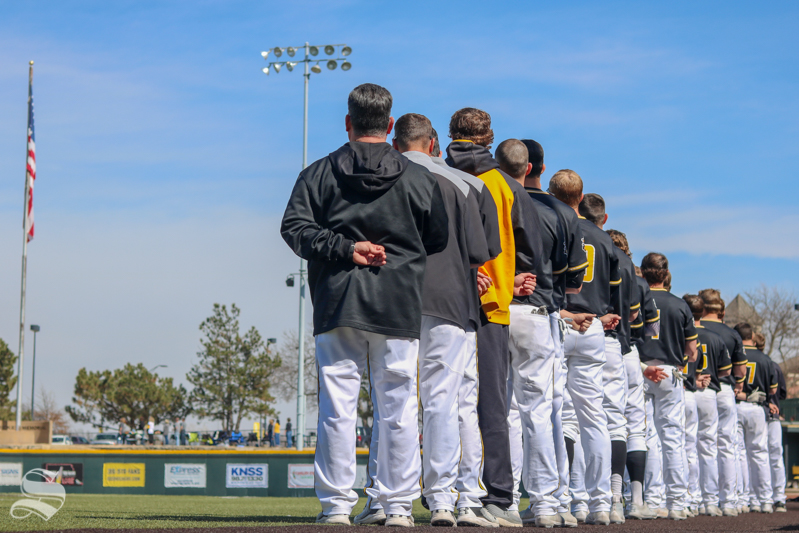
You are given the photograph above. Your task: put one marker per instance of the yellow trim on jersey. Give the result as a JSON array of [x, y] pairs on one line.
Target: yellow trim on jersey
[[536, 192], [561, 271], [741, 362], [656, 319], [617, 282], [578, 267], [774, 386], [658, 289], [692, 337], [462, 141], [636, 306], [726, 367], [582, 217], [740, 380], [636, 326], [711, 320]]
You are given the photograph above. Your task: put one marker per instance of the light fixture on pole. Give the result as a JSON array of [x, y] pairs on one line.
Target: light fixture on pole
[[329, 49], [35, 329], [157, 367]]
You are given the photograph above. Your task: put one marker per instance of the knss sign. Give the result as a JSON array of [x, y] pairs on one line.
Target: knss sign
[[191, 475], [10, 474], [250, 476]]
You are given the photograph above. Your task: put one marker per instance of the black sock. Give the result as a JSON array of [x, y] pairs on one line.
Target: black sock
[[618, 456], [636, 466], [569, 451]]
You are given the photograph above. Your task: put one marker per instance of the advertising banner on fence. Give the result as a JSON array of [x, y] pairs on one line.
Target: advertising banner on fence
[[66, 473], [184, 475], [247, 476], [123, 474], [11, 474], [301, 476]]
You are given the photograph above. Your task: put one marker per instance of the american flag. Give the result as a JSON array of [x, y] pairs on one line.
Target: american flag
[[30, 174]]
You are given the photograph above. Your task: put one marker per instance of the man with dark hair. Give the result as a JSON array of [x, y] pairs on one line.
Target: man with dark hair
[[625, 303], [759, 383], [565, 281], [775, 431], [366, 220], [725, 399], [470, 469], [533, 357], [674, 346], [471, 132], [584, 347], [713, 361]]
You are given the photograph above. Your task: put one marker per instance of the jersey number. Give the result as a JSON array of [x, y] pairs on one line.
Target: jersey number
[[751, 367], [703, 365], [656, 337], [590, 253]]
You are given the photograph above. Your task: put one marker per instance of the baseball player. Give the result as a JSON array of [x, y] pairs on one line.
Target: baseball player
[[585, 347], [361, 210], [533, 354], [670, 349], [714, 361], [775, 432], [725, 399], [617, 342], [568, 281], [691, 383], [759, 383], [470, 469], [471, 132]]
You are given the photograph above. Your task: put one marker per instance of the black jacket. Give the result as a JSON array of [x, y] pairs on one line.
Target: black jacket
[[366, 192]]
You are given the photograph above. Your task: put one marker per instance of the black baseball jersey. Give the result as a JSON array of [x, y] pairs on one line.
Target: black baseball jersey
[[759, 374], [602, 276], [554, 258], [732, 340], [570, 275], [782, 390], [627, 300], [676, 328], [647, 323], [689, 372], [713, 356]]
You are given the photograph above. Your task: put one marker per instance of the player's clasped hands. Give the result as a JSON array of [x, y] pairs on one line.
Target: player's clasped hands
[[368, 254], [524, 284], [483, 283], [702, 381], [610, 321], [655, 374]]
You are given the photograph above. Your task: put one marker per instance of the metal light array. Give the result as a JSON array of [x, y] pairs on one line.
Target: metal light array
[[329, 49]]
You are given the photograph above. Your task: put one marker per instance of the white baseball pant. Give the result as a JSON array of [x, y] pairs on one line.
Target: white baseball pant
[[775, 459], [707, 445], [585, 354], [517, 444], [558, 328], [342, 356], [635, 410], [614, 383], [743, 492], [694, 494], [754, 431], [654, 490], [669, 414], [580, 498], [727, 437], [470, 470], [532, 361]]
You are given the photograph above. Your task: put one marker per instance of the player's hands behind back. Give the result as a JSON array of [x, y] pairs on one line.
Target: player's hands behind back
[[524, 284], [368, 254]]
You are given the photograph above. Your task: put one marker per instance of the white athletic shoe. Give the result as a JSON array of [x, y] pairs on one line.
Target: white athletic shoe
[[504, 518], [600, 518], [442, 518], [398, 520], [580, 515], [640, 512], [755, 509], [677, 515], [547, 521], [767, 508], [617, 513], [567, 519], [729, 511], [333, 519], [475, 517], [527, 516], [662, 512], [713, 510], [779, 507], [702, 509], [370, 516]]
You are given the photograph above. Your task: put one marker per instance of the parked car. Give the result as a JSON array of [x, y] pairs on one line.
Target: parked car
[[363, 437], [78, 439], [105, 439], [62, 439]]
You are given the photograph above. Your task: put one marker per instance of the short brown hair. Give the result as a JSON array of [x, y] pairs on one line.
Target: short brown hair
[[655, 268], [511, 155], [620, 240], [470, 124], [696, 305], [436, 147], [760, 340], [411, 129], [592, 207], [667, 282], [638, 271], [745, 330], [567, 186], [713, 302]]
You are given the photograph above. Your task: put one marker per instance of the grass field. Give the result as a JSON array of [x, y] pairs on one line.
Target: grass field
[[90, 511]]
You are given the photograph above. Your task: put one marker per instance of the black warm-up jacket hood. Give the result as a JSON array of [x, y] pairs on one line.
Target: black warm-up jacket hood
[[366, 192]]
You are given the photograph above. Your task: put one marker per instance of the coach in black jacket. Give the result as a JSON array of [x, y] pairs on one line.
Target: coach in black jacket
[[366, 220]]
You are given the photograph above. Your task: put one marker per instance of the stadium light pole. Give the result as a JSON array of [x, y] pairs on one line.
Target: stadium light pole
[[331, 63], [35, 329]]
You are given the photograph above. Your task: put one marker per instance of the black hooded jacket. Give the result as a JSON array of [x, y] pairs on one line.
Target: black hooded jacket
[[366, 192]]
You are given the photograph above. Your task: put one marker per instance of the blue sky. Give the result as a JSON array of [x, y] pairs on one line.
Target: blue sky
[[165, 156]]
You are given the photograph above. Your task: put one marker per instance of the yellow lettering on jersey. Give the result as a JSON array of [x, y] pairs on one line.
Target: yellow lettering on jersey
[[703, 365], [751, 367], [656, 337], [590, 252]]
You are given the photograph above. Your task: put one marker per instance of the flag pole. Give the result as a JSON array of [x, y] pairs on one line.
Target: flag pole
[[25, 228]]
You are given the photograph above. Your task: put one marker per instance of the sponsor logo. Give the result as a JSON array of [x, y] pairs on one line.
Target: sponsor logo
[[184, 475], [123, 474], [43, 496], [301, 476], [10, 474], [247, 476], [66, 473]]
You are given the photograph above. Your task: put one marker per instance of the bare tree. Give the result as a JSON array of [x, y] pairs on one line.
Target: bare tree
[[284, 381], [779, 321], [47, 409]]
